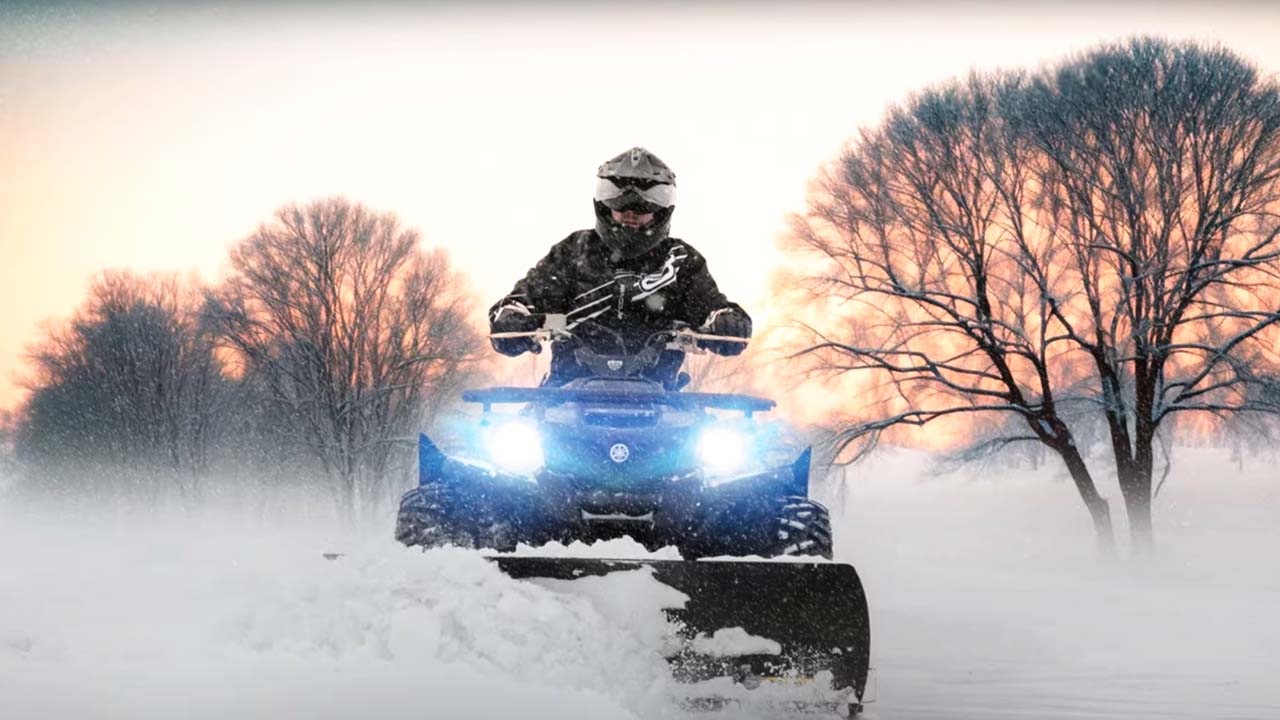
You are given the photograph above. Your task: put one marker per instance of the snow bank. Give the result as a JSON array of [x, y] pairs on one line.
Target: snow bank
[[158, 623], [620, 548]]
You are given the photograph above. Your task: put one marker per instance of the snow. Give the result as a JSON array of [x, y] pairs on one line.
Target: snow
[[987, 600], [728, 642], [631, 602], [161, 623], [620, 548]]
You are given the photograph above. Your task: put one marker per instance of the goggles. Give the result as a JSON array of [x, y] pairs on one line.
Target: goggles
[[616, 196]]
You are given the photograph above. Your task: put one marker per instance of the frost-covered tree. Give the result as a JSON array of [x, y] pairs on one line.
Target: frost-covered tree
[[1162, 176], [1095, 241], [357, 335], [124, 396]]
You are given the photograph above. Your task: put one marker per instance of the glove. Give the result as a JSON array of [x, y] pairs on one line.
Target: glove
[[730, 322], [514, 318]]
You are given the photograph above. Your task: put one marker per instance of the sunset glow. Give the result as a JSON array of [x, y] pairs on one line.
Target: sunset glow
[[154, 139]]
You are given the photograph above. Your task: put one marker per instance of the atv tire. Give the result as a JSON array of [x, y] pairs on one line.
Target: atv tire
[[803, 527], [424, 521], [764, 526], [421, 520]]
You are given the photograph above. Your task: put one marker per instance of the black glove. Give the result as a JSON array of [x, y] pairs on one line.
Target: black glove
[[514, 318], [729, 322]]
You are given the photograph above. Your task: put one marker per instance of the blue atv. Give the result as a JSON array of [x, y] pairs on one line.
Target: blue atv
[[618, 452], [611, 454]]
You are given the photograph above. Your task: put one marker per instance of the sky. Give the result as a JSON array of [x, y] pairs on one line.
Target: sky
[[154, 136]]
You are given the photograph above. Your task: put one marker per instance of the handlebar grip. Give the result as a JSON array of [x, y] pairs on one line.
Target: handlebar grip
[[717, 338]]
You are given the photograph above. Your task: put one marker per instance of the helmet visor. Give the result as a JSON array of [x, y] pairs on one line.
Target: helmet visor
[[617, 197]]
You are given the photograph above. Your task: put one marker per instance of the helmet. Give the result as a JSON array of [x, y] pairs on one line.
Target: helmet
[[635, 180]]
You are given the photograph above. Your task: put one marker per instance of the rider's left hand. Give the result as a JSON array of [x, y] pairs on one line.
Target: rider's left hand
[[729, 322]]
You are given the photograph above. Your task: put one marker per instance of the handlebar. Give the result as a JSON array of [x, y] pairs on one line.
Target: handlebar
[[556, 327]]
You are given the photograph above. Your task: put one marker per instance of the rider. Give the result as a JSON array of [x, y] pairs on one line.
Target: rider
[[625, 274]]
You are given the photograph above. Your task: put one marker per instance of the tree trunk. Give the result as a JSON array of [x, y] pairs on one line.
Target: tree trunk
[[1098, 507], [344, 499], [1135, 486]]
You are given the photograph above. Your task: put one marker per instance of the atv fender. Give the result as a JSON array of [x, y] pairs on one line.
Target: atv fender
[[784, 480]]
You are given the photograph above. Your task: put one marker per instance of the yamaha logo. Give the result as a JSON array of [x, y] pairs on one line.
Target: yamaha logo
[[619, 453], [615, 365]]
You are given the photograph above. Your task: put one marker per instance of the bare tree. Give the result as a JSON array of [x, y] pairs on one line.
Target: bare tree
[[127, 389], [358, 335], [1160, 177], [921, 227], [1098, 238]]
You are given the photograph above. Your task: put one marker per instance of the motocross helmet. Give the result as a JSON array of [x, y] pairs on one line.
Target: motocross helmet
[[635, 180]]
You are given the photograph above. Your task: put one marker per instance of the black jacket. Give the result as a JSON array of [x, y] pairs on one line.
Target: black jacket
[[635, 296]]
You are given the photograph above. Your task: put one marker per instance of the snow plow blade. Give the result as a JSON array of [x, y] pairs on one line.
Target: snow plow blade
[[816, 613]]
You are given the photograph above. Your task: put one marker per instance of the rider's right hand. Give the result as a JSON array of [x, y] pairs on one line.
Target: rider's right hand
[[514, 319]]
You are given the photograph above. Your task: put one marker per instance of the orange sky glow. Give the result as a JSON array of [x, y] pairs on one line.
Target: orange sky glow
[[152, 137]]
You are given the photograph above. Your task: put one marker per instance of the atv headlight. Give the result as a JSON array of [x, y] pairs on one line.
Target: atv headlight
[[723, 449], [515, 446]]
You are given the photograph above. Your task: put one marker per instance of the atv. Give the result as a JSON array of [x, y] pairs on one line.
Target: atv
[[621, 452]]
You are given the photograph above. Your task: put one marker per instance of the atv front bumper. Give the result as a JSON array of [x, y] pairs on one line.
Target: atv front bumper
[[724, 516]]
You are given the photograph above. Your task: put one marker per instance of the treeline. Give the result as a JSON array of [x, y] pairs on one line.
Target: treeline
[[333, 339], [1083, 255]]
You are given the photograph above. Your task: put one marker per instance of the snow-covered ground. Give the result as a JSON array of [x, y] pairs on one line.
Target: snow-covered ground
[[987, 601]]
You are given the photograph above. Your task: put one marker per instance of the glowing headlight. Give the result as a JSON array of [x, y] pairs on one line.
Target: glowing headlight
[[722, 449], [515, 446]]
